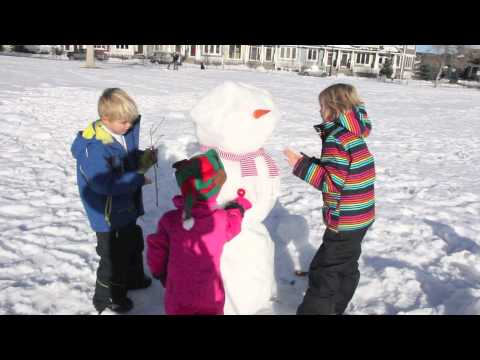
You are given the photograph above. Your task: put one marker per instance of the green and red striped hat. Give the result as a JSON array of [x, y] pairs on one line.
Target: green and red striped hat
[[199, 178]]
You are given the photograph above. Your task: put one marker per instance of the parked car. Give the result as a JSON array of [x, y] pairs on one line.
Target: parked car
[[101, 55], [161, 57], [81, 54], [312, 72]]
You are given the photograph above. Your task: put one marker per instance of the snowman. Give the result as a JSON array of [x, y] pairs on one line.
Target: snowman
[[236, 119]]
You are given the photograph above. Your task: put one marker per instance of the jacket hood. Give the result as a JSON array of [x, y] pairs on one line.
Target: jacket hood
[[93, 132], [355, 121]]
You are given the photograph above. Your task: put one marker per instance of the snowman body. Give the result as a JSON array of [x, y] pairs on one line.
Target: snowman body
[[226, 120]]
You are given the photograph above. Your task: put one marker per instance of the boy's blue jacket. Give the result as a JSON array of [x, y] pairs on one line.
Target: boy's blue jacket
[[109, 184]]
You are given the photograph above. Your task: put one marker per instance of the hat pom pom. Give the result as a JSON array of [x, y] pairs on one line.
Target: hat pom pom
[[187, 223]]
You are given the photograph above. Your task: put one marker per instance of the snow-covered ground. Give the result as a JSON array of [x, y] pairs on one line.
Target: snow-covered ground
[[422, 256]]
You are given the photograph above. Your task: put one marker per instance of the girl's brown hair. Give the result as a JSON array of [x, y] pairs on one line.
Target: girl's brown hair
[[339, 98]]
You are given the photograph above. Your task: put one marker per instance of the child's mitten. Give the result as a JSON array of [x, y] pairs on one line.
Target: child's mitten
[[147, 160], [240, 202]]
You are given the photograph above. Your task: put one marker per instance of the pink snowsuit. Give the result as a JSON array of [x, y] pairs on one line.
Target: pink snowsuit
[[188, 261]]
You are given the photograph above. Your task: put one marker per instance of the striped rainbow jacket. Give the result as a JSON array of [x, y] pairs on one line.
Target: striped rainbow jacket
[[345, 173]]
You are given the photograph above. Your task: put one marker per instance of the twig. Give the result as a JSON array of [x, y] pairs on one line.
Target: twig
[[153, 147]]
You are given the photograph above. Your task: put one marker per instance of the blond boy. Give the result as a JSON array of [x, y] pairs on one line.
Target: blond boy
[[110, 176]]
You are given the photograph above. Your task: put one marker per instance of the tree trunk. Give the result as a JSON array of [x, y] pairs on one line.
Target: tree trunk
[[439, 73], [90, 61]]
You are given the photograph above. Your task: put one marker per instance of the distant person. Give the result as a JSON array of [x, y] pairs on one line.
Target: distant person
[[202, 66], [175, 57], [345, 174], [110, 177], [179, 60]]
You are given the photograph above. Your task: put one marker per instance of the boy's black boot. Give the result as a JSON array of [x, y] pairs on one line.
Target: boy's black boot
[[121, 306], [111, 297]]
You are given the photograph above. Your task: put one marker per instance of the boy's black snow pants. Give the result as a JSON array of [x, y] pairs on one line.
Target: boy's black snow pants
[[121, 264], [333, 275]]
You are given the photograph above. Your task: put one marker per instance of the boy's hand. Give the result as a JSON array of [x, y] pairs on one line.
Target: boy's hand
[[147, 160], [292, 156], [147, 181]]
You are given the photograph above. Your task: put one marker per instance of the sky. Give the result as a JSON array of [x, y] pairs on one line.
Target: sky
[[428, 48], [424, 48]]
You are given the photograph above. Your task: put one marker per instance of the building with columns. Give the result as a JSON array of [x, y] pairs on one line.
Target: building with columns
[[362, 60], [357, 60]]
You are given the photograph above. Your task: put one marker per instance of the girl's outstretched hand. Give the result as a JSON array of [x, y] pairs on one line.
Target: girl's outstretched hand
[[292, 156]]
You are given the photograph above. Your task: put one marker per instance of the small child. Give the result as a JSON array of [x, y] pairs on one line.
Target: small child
[[184, 253], [345, 174], [110, 176]]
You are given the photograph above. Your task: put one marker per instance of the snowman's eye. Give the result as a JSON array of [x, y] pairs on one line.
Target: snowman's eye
[[259, 113]]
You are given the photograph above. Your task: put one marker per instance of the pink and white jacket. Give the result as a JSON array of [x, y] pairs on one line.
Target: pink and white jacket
[[187, 262]]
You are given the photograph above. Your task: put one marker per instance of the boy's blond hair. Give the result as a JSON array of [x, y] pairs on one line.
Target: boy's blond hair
[[117, 105], [339, 98]]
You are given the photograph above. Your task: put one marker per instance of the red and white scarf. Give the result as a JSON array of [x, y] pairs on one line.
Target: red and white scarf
[[247, 161]]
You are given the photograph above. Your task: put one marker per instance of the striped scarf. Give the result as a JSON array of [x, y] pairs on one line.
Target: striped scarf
[[247, 161]]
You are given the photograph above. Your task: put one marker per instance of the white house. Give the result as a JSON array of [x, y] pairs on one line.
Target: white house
[[366, 60], [362, 60]]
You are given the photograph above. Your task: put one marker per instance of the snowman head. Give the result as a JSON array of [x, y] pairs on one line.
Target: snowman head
[[235, 117]]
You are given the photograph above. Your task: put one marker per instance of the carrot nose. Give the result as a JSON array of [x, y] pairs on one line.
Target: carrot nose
[[259, 113]]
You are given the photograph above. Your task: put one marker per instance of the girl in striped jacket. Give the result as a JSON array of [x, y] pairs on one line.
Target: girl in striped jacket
[[345, 174]]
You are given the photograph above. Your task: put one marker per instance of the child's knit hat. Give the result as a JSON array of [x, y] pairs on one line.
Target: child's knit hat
[[199, 178]]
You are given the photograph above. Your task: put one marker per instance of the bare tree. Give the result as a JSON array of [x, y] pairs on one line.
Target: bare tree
[[445, 52]]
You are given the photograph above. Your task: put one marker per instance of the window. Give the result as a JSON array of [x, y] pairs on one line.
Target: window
[[321, 54], [288, 53], [67, 47], [363, 59], [409, 62], [312, 55], [344, 60], [254, 53], [268, 54], [398, 61], [330, 58], [235, 52], [211, 49]]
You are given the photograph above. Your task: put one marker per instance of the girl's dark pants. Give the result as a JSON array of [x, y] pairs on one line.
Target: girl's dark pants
[[333, 275], [121, 264]]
